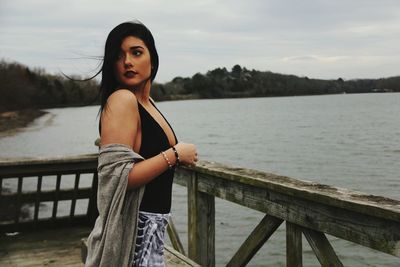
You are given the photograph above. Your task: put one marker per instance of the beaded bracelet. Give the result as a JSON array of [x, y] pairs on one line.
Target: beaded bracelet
[[177, 156], [167, 160]]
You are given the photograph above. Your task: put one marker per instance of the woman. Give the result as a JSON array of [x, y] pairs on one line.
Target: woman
[[137, 158]]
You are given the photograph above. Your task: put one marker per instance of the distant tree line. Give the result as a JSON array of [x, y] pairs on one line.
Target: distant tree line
[[241, 82], [22, 87]]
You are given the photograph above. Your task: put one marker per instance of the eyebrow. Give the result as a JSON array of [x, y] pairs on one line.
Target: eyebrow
[[136, 46]]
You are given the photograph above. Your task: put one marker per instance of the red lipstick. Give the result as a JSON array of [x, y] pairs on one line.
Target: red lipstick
[[130, 74]]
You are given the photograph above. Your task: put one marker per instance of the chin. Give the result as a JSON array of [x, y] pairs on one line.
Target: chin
[[133, 85]]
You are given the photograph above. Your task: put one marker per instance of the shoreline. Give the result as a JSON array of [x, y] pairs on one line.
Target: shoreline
[[12, 121]]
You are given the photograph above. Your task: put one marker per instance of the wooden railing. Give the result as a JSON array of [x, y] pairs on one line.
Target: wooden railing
[[69, 169], [57, 170], [307, 208]]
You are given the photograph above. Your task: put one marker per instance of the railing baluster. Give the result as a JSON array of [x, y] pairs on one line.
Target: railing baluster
[[18, 205], [322, 248], [73, 202], [56, 196], [37, 202], [255, 240], [294, 249], [174, 237], [201, 224]]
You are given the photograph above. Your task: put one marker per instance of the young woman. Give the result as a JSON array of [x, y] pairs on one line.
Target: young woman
[[138, 154]]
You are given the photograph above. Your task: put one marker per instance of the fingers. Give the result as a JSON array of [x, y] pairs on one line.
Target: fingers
[[195, 159], [188, 153]]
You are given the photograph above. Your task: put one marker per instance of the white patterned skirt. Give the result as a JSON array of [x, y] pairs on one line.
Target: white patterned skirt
[[149, 248]]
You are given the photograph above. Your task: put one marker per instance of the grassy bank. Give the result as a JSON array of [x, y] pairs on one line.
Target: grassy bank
[[13, 120]]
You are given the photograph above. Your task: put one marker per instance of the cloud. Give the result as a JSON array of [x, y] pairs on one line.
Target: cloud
[[317, 38], [316, 58]]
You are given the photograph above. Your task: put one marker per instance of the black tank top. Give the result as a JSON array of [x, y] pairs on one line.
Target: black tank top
[[157, 193]]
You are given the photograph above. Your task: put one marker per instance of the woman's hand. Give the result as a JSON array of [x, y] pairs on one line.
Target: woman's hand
[[187, 153]]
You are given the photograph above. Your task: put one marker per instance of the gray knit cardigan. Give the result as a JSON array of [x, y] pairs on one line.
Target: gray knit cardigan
[[111, 242]]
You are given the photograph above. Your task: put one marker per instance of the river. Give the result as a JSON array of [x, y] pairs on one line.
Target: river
[[349, 140]]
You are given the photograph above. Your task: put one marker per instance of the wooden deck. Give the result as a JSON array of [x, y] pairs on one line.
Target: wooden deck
[[58, 247]]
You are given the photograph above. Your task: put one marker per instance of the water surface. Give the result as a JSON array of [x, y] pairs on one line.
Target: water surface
[[349, 141]]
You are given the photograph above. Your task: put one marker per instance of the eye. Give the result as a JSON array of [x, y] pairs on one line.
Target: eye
[[136, 52]]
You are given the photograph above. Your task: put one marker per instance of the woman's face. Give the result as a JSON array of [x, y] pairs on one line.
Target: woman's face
[[133, 65]]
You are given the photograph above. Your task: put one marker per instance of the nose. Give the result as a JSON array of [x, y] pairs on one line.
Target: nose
[[128, 61]]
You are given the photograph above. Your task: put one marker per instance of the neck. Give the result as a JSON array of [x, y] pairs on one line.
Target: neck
[[143, 92]]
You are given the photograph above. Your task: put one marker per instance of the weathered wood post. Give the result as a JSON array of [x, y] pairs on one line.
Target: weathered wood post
[[322, 248], [255, 241], [201, 212], [294, 249]]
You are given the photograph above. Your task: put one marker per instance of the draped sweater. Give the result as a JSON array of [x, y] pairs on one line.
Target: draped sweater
[[111, 242]]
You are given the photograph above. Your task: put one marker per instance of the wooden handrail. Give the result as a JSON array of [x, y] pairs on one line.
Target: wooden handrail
[[308, 208], [28, 168], [25, 170]]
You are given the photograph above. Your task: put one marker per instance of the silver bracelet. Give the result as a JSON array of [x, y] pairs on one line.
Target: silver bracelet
[[167, 160]]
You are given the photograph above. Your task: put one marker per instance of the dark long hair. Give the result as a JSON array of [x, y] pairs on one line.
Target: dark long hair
[[114, 40]]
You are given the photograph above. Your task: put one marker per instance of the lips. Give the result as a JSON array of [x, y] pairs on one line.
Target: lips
[[130, 74]]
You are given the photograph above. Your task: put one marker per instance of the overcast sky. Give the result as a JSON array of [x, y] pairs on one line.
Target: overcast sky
[[316, 38]]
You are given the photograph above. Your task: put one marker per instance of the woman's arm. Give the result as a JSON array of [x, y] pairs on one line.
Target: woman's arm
[[119, 125]]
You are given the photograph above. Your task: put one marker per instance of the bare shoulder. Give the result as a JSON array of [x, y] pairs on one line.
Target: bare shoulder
[[121, 97], [119, 118], [121, 108]]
